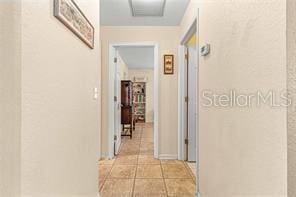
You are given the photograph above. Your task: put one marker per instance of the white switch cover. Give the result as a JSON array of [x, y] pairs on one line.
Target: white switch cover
[[96, 93]]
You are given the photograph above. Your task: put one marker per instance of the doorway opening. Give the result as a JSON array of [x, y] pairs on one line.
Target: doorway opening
[[129, 104], [188, 135]]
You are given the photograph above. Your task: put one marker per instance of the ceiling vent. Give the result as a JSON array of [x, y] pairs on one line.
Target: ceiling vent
[[142, 8]]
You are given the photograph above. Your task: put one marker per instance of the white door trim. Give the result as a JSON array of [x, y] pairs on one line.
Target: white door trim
[[112, 47], [181, 84], [192, 28]]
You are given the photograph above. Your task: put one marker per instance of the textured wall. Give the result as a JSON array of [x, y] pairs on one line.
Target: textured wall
[[60, 118], [123, 69], [167, 38], [10, 85], [291, 62], [242, 150]]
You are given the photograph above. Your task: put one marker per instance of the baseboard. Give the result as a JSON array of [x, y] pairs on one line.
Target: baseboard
[[104, 156], [168, 156]]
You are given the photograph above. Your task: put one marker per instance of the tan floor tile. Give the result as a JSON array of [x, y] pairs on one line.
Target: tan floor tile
[[135, 140], [146, 146], [180, 187], [149, 187], [149, 145], [147, 135], [148, 125], [150, 195], [171, 162], [126, 159], [117, 188], [129, 143], [106, 162], [129, 146], [129, 149], [146, 151], [149, 171], [117, 176], [148, 159], [129, 152], [192, 169], [175, 171], [137, 135], [104, 171], [123, 171], [146, 140], [101, 183]]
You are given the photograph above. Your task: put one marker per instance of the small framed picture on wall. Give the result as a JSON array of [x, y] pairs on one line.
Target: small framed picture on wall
[[168, 64]]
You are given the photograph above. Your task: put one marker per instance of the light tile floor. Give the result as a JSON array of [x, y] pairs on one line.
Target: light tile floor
[[135, 173], [192, 166]]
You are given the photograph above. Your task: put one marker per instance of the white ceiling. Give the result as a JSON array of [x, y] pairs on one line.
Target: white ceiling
[[137, 57], [118, 13]]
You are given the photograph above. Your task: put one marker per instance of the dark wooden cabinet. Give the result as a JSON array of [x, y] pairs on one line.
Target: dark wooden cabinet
[[127, 108], [127, 93]]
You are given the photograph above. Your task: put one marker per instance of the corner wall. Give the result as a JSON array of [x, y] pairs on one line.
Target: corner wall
[[10, 98], [60, 119], [291, 75], [242, 150], [168, 39]]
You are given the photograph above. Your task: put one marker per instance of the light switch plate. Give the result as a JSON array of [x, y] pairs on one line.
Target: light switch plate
[[96, 93]]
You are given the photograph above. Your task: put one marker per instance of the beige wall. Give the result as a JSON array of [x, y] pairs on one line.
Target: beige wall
[[10, 108], [291, 62], [242, 150], [60, 119], [149, 74], [167, 38], [123, 69]]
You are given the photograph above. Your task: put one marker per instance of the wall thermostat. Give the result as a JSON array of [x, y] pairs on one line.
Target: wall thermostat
[[205, 50]]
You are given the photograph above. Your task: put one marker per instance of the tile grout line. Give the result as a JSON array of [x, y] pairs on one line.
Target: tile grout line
[[163, 178], [133, 188], [108, 175], [193, 177]]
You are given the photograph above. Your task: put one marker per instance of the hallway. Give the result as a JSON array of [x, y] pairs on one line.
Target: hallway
[[134, 171], [216, 77]]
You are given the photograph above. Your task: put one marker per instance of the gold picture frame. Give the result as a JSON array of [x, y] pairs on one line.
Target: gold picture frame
[[68, 12], [168, 64]]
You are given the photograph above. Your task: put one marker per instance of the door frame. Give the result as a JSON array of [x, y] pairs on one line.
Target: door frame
[[111, 66], [192, 28], [118, 107]]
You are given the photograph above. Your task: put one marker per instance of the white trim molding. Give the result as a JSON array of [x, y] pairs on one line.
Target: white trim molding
[[168, 156], [192, 28], [112, 48]]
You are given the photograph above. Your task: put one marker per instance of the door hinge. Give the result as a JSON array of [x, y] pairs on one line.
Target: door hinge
[[115, 98], [186, 141], [186, 99], [115, 137], [115, 59]]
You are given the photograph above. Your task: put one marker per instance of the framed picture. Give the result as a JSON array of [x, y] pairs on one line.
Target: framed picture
[[68, 12], [168, 64]]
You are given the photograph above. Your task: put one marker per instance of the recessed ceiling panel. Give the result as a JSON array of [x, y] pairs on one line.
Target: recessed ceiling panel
[[142, 8], [118, 12]]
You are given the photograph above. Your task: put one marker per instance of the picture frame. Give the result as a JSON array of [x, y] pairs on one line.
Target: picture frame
[[168, 64], [68, 12]]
